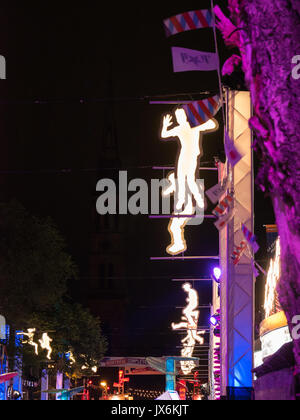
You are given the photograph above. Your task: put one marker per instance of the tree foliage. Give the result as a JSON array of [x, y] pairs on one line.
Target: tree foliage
[[35, 269]]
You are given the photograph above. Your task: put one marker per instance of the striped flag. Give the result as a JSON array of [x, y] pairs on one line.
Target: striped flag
[[223, 221], [251, 238], [223, 206], [188, 21], [239, 252], [200, 112]]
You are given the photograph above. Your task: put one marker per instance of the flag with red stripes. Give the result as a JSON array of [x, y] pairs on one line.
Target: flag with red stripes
[[188, 21], [223, 221], [223, 206], [199, 112], [239, 252]]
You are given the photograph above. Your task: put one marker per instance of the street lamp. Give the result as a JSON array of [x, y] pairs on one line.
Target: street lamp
[[103, 384]]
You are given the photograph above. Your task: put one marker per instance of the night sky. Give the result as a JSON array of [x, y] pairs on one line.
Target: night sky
[[74, 110]]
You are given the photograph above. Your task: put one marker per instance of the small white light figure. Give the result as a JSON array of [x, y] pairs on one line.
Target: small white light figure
[[190, 323], [45, 343], [185, 188], [30, 334]]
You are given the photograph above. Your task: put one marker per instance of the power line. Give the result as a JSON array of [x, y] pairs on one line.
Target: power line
[[187, 96]]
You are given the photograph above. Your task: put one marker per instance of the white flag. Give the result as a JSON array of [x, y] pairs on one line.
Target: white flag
[[215, 193], [192, 60]]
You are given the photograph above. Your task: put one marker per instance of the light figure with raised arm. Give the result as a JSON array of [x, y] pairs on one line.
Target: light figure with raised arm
[[191, 150], [183, 183], [30, 334]]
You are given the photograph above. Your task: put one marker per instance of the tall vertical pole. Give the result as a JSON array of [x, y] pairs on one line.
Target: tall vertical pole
[[237, 288]]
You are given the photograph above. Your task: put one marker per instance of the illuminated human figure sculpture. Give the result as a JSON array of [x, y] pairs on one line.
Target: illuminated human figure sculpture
[[45, 343], [30, 334], [190, 152], [177, 224], [185, 187], [190, 323]]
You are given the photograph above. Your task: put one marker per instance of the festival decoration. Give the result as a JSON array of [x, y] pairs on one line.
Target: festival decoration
[[223, 221], [185, 59], [239, 252], [30, 334], [233, 155], [199, 112], [272, 304], [45, 344], [190, 323], [185, 188], [223, 206], [188, 21], [251, 238], [215, 193]]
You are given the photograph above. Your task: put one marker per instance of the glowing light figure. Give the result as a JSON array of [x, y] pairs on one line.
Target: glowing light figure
[[189, 322], [272, 282], [177, 224], [45, 344], [185, 188], [30, 334]]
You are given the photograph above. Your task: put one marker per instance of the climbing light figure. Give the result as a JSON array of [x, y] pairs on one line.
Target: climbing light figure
[[189, 322], [45, 343], [30, 334]]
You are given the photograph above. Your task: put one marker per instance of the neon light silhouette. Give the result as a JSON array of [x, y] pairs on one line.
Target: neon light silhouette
[[189, 322], [184, 181]]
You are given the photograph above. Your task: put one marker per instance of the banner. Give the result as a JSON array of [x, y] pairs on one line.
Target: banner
[[185, 59], [216, 193], [123, 361], [146, 371], [188, 21], [200, 112]]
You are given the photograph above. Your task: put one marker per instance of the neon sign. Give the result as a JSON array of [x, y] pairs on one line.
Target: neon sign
[[190, 324], [45, 344], [183, 182]]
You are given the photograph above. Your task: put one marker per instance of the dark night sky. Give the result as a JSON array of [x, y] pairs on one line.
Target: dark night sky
[[61, 54]]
